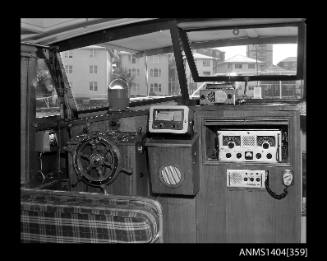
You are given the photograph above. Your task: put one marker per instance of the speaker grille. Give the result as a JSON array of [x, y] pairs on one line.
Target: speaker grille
[[248, 140], [171, 176]]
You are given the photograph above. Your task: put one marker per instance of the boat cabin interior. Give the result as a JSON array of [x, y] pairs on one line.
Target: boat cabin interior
[[157, 130]]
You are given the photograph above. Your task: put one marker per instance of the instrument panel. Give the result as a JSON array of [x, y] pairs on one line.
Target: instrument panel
[[249, 145], [176, 119]]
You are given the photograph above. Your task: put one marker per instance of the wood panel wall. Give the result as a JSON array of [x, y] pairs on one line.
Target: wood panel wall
[[27, 112]]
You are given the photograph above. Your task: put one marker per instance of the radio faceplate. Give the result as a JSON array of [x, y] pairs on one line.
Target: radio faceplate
[[175, 119], [217, 94], [249, 145], [245, 178]]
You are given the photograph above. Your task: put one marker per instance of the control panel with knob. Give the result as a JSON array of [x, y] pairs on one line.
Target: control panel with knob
[[245, 178], [261, 145]]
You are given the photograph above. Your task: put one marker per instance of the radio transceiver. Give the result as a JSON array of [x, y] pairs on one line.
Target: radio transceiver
[[175, 119], [249, 145], [215, 93]]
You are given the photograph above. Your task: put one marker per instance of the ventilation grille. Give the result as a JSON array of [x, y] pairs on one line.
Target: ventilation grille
[[235, 178], [248, 140], [171, 176]]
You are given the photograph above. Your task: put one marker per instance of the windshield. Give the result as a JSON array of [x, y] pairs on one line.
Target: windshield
[[225, 57], [149, 76]]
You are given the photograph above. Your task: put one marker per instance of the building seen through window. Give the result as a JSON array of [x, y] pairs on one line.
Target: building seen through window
[[94, 67]]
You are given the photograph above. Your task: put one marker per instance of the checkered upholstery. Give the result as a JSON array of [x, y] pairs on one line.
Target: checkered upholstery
[[80, 217]]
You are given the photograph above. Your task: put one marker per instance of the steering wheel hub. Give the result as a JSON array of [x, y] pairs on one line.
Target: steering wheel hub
[[96, 159]]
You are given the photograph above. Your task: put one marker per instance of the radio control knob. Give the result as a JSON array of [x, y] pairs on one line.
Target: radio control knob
[[269, 156], [231, 145], [245, 179], [265, 145], [252, 179], [258, 155], [239, 155], [257, 179], [228, 155]]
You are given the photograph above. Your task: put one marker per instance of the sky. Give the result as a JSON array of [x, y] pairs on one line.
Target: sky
[[280, 51]]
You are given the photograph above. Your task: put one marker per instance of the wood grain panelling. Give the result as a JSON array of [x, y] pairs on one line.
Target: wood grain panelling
[[210, 206], [28, 112], [23, 121]]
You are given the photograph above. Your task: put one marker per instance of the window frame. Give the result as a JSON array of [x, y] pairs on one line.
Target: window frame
[[300, 55], [123, 31]]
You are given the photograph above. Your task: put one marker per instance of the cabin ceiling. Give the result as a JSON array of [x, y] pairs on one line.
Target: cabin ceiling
[[49, 31]]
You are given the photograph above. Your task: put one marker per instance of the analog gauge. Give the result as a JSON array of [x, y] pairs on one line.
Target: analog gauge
[[266, 141], [228, 140]]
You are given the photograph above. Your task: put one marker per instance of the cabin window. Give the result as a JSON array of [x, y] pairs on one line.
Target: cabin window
[[46, 103], [152, 76], [240, 55]]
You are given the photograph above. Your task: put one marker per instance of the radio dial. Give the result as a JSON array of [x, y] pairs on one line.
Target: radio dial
[[258, 155], [239, 155], [228, 155], [265, 145], [269, 156], [231, 145]]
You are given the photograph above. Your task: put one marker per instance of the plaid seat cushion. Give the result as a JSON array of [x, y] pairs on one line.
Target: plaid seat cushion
[[79, 217]]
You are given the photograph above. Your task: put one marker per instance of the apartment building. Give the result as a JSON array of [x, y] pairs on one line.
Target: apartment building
[[88, 71], [239, 64], [150, 75]]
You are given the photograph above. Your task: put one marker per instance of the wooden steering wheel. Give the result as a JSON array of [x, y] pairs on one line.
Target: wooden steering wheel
[[96, 161]]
